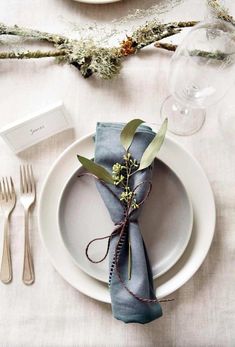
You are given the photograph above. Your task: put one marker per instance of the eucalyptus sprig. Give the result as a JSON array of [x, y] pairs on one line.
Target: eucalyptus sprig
[[121, 173], [129, 166]]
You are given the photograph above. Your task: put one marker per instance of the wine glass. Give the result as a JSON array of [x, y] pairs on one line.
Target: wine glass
[[201, 72]]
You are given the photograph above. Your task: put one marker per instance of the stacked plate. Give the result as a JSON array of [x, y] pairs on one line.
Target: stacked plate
[[177, 221], [96, 2]]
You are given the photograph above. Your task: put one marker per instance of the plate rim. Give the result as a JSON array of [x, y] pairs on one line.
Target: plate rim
[[185, 244], [102, 296], [97, 2]]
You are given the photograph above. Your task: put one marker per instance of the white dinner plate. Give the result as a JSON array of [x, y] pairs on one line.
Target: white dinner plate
[[196, 184], [166, 222]]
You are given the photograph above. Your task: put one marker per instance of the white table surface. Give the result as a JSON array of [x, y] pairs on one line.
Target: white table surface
[[51, 313]]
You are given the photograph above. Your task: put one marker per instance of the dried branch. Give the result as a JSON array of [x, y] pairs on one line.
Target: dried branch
[[217, 55], [91, 58], [31, 54], [165, 45], [152, 32], [88, 57], [32, 34], [219, 11]]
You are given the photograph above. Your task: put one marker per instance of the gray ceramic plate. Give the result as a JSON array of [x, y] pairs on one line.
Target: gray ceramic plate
[[166, 222]]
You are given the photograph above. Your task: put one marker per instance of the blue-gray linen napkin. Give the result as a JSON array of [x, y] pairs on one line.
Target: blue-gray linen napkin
[[108, 151]]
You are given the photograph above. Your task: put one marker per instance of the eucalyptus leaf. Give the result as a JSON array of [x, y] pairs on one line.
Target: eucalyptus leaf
[[128, 132], [95, 169], [154, 147]]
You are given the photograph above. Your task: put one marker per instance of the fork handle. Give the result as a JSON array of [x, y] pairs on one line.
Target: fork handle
[[28, 270], [6, 267]]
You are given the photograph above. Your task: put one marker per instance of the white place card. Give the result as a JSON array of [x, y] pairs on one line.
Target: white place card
[[35, 128]]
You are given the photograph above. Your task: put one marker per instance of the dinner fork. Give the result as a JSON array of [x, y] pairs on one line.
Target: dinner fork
[[27, 199], [7, 203]]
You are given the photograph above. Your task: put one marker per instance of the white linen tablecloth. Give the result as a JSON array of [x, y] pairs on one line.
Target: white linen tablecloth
[[51, 313]]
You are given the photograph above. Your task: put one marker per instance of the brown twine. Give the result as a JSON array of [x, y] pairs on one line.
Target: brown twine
[[120, 230]]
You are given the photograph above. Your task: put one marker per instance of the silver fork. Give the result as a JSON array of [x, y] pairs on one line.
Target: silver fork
[[7, 203], [27, 199]]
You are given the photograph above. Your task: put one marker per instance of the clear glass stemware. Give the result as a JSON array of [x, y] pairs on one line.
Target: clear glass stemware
[[201, 72]]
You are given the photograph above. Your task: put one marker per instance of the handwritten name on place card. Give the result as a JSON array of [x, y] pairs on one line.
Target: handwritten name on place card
[[38, 127], [33, 131]]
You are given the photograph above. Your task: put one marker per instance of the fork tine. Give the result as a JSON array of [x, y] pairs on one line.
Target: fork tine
[[4, 189], [12, 187], [26, 187], [29, 180], [1, 191], [32, 179], [8, 189], [21, 181]]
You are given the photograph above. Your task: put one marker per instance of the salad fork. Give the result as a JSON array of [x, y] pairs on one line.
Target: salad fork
[[27, 199], [7, 203]]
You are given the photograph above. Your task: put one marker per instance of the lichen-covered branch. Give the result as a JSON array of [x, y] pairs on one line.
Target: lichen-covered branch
[[166, 45], [86, 56], [217, 55], [220, 11], [91, 58], [153, 31], [15, 30], [31, 54]]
